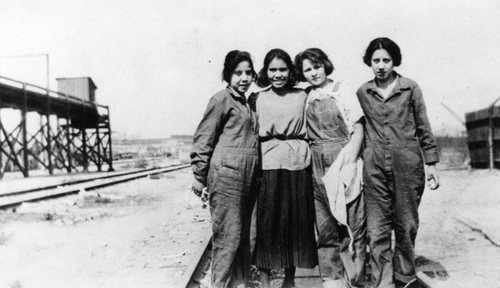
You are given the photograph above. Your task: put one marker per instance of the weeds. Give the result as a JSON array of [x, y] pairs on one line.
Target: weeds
[[141, 163]]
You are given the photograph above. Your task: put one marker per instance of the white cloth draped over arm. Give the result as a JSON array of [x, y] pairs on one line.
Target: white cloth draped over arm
[[340, 191]]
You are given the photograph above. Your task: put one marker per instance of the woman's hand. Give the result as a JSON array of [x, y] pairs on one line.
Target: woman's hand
[[201, 191], [432, 177], [197, 187]]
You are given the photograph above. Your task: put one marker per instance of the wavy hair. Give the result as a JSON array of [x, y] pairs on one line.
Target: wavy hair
[[316, 56]]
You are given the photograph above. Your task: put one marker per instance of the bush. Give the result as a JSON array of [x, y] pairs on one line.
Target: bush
[[141, 163]]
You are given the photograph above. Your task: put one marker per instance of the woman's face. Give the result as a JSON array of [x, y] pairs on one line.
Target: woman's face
[[314, 73], [242, 77], [278, 73], [382, 65]]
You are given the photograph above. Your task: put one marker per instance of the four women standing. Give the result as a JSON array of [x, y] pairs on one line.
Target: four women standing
[[284, 122]]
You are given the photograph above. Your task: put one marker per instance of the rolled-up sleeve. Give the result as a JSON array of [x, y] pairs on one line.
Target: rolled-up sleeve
[[424, 132], [205, 139], [353, 110]]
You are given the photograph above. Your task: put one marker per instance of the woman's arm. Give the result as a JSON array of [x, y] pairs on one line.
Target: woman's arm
[[356, 141], [427, 142], [423, 127], [204, 141]]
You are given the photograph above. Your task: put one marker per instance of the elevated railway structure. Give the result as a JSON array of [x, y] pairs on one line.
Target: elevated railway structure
[[65, 130]]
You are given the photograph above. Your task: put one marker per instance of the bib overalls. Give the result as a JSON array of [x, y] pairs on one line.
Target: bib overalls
[[328, 134]]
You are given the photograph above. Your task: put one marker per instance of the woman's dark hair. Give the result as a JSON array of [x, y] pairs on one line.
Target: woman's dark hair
[[316, 56], [233, 58], [383, 43], [262, 79]]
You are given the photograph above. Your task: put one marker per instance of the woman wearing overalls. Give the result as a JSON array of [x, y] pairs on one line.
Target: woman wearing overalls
[[224, 158], [334, 121], [398, 142]]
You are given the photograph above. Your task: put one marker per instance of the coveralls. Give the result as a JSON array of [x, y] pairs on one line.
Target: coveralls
[[225, 157], [398, 140], [328, 133]]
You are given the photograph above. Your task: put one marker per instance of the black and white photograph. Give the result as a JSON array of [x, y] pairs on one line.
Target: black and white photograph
[[249, 144]]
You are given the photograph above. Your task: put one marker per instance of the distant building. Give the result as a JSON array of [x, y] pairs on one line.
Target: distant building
[[80, 87]]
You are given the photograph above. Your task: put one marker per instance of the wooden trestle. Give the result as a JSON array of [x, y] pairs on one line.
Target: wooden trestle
[[72, 134]]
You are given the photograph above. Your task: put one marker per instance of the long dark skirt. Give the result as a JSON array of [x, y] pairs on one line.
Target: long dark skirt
[[285, 221]]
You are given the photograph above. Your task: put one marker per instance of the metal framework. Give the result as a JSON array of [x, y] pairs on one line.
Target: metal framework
[[72, 134]]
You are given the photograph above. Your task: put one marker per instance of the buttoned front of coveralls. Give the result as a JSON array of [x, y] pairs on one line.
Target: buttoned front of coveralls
[[328, 133], [225, 157], [397, 135]]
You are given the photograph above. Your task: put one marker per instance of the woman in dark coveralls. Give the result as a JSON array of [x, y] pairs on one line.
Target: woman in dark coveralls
[[398, 142], [224, 158]]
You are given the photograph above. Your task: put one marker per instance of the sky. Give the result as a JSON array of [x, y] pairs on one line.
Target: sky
[[156, 63]]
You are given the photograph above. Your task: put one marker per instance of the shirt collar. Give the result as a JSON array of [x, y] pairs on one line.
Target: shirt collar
[[267, 88], [234, 93], [402, 83]]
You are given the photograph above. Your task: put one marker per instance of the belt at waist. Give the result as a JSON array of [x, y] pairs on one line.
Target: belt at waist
[[281, 137]]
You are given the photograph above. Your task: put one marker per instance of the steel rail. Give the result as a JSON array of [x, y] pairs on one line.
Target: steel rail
[[198, 267], [54, 186], [17, 198]]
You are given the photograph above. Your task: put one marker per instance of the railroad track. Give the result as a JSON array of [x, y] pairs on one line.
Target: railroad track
[[196, 273], [13, 199]]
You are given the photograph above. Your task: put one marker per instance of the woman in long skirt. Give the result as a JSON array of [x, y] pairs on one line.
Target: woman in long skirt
[[285, 207]]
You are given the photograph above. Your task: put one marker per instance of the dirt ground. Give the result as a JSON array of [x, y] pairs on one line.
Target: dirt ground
[[459, 235], [137, 234], [143, 233]]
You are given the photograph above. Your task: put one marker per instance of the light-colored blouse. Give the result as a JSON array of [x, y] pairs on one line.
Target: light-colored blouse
[[282, 130]]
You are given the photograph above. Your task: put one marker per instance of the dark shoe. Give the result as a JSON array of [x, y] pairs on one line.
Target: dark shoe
[[288, 284]]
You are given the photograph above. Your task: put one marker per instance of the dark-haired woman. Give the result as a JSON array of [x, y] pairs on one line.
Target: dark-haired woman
[[285, 207], [224, 159], [335, 132], [398, 142]]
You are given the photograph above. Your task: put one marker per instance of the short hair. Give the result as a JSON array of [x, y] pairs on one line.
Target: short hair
[[233, 58], [383, 43], [262, 79], [316, 56]]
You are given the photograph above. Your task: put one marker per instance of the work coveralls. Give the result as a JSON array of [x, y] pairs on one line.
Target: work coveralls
[[225, 157], [398, 140], [328, 134]]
